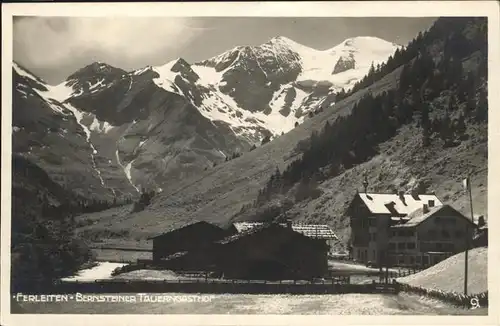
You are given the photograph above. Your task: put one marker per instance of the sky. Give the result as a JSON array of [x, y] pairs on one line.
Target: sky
[[54, 47]]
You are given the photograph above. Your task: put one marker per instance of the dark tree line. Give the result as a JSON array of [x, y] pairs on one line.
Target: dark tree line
[[452, 30], [236, 154], [144, 200], [80, 206], [434, 93], [43, 245]]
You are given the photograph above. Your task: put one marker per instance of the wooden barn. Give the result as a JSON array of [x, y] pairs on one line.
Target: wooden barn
[[316, 231], [271, 251], [188, 238]]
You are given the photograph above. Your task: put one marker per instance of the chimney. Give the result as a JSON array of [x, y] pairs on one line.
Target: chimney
[[425, 208], [431, 203], [480, 221], [289, 223], [365, 184], [402, 197]]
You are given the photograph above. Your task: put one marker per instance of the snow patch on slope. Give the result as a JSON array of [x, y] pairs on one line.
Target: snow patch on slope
[[100, 126], [60, 92], [217, 106], [79, 116], [208, 75], [166, 79], [126, 170]]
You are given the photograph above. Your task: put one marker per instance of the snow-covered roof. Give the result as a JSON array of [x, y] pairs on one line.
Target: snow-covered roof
[[377, 203], [418, 216], [321, 231]]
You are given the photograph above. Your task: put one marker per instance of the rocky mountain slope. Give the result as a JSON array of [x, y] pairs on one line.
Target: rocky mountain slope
[[106, 133], [437, 134]]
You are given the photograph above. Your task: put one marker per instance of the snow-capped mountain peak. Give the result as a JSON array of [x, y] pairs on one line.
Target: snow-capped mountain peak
[[252, 89], [97, 68], [370, 43]]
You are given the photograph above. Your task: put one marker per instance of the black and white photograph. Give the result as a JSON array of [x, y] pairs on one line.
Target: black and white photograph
[[248, 164]]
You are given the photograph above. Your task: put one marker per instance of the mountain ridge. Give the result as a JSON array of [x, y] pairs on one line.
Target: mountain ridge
[[127, 118]]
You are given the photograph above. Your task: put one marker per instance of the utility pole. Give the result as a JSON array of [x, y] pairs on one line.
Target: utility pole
[[467, 187]]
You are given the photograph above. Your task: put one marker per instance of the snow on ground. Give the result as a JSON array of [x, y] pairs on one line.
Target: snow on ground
[[218, 106], [100, 126], [126, 170], [344, 266], [167, 77], [22, 72], [59, 92], [142, 70], [318, 65], [147, 274], [95, 87], [250, 304], [101, 271], [208, 75], [448, 275], [79, 116]]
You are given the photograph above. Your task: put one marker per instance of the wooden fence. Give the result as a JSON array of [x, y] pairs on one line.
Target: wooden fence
[[332, 286]]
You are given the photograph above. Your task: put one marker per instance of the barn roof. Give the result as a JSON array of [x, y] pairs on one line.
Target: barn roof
[[418, 216], [403, 205], [321, 231], [175, 255], [248, 231], [244, 226], [184, 226]]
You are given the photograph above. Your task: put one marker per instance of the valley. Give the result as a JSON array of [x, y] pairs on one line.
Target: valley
[[253, 134]]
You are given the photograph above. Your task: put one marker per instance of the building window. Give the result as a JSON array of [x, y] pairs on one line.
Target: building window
[[392, 245], [412, 260], [411, 245], [401, 245], [419, 259], [374, 237]]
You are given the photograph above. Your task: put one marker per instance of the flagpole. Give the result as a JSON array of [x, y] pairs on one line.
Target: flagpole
[[469, 189]]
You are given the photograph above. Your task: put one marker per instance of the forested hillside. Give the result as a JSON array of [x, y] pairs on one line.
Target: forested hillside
[[43, 246]]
